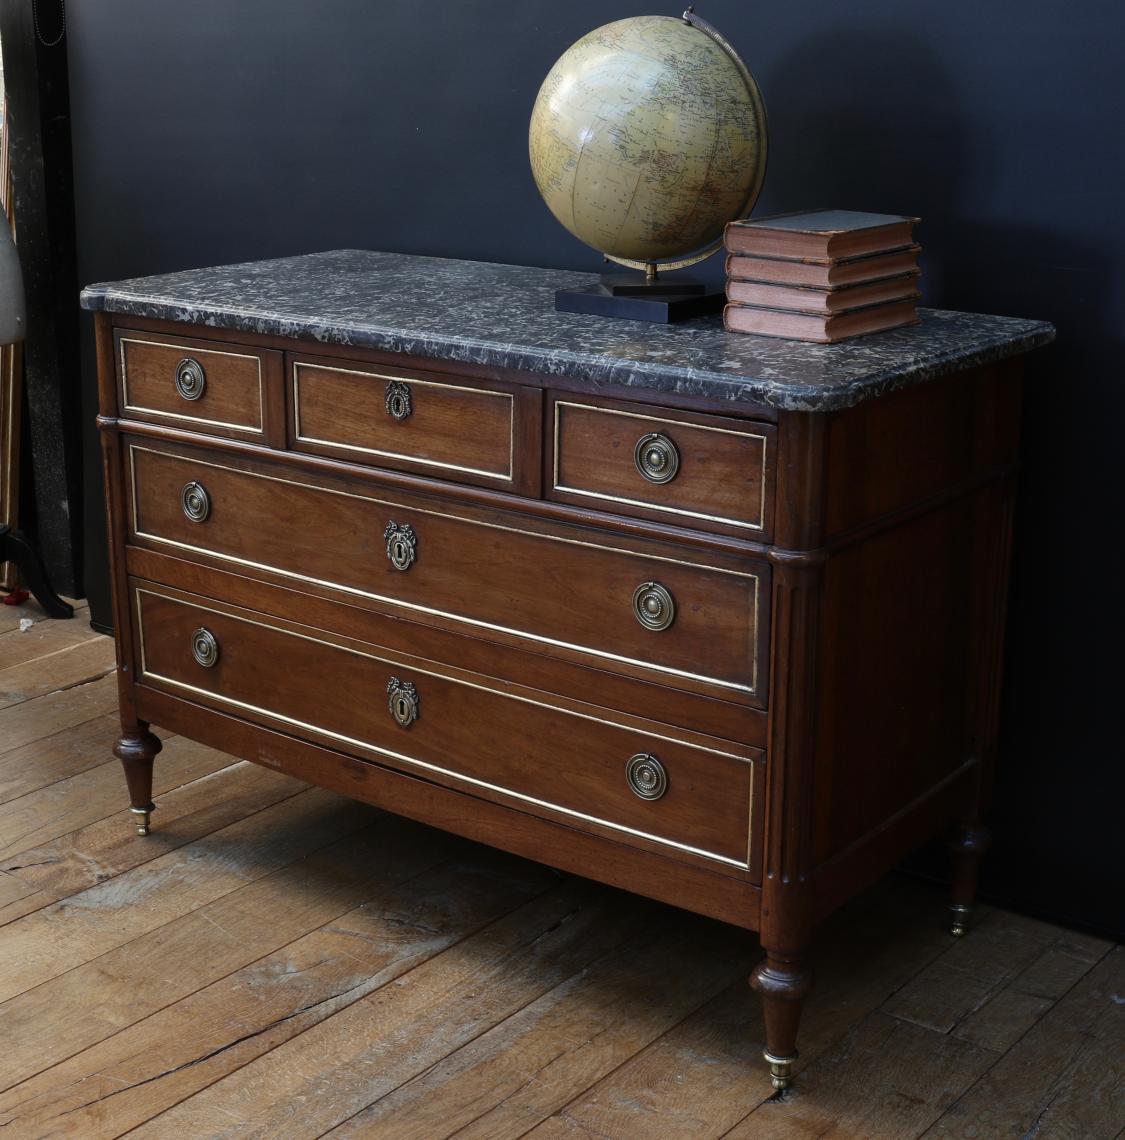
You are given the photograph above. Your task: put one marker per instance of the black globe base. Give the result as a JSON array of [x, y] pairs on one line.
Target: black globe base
[[654, 305], [15, 548], [634, 285]]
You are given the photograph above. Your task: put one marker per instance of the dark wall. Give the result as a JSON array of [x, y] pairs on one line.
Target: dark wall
[[212, 132]]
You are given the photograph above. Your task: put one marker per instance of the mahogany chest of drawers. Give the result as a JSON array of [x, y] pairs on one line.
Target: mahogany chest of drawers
[[712, 618]]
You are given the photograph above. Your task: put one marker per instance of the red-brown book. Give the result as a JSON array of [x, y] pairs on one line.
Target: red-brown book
[[820, 234], [824, 302], [822, 330], [828, 274]]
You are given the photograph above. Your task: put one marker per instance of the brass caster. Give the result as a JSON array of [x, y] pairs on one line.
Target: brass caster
[[143, 816], [781, 1069], [960, 921]]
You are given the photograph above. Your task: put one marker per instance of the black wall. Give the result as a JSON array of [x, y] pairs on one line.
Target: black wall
[[212, 132]]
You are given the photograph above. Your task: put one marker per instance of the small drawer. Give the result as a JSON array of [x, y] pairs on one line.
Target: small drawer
[[433, 424], [595, 769], [706, 472], [221, 389], [650, 610]]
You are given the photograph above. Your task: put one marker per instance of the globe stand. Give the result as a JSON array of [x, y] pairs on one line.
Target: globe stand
[[649, 298]]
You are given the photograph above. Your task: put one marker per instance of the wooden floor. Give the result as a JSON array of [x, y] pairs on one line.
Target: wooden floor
[[276, 961]]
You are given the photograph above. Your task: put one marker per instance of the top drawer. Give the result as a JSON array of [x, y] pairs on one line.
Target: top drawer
[[706, 472], [424, 422], [221, 389]]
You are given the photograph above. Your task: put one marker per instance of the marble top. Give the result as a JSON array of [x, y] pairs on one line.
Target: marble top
[[503, 315]]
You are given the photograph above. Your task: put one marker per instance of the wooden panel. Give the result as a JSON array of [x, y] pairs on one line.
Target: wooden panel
[[488, 574], [723, 480], [502, 743], [897, 643], [241, 385], [452, 428], [885, 455]]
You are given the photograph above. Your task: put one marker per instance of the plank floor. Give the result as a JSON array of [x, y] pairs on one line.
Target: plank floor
[[279, 962]]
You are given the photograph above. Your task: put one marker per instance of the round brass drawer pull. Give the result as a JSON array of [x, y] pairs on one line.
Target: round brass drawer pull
[[195, 501], [646, 776], [402, 545], [653, 606], [398, 402], [656, 458], [190, 378], [402, 699], [204, 647]]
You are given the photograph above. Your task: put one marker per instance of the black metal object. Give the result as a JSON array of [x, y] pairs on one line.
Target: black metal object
[[663, 308], [15, 548]]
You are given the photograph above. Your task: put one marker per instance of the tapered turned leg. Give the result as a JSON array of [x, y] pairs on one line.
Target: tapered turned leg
[[967, 848], [783, 985], [136, 748]]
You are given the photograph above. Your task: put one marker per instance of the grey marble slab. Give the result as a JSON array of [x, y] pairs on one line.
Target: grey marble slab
[[503, 315]]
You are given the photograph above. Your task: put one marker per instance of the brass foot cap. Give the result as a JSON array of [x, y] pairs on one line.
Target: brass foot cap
[[781, 1069], [143, 817]]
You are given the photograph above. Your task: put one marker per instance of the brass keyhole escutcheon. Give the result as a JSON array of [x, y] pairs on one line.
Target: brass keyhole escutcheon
[[195, 501], [656, 457], [204, 647], [402, 700], [653, 606], [190, 378], [646, 776], [398, 400], [402, 545]]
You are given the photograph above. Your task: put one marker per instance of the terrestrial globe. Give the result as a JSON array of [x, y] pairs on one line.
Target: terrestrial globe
[[648, 136]]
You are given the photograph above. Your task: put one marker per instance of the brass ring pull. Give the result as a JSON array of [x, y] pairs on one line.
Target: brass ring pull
[[653, 606], [402, 700], [656, 457], [190, 378], [402, 545], [204, 647], [646, 776], [195, 501], [398, 401]]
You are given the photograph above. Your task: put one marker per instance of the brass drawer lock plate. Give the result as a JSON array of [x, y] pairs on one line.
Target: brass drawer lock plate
[[402, 545], [402, 699], [398, 401]]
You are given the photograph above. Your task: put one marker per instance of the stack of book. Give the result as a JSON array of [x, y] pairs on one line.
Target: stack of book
[[821, 276]]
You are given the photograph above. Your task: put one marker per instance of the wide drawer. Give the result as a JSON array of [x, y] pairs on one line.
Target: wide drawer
[[416, 421], [506, 743], [221, 389], [707, 472], [567, 590]]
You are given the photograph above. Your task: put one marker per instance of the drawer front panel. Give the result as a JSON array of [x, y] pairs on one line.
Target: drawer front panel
[[390, 417], [570, 591], [709, 473], [410, 715], [217, 388]]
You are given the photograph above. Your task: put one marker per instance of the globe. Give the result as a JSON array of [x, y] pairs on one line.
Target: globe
[[648, 136]]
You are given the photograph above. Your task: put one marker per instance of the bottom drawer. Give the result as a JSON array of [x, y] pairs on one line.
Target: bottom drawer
[[596, 769]]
